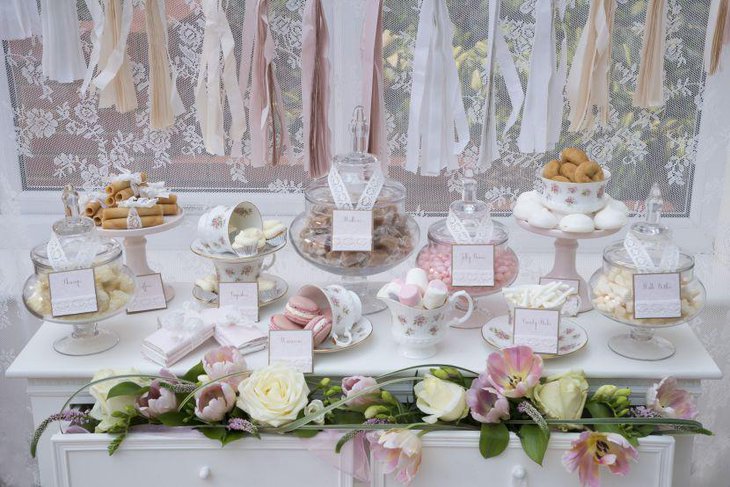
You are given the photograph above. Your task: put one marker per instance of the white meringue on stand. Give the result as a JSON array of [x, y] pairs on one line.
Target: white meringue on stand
[[577, 223], [543, 218], [610, 218], [525, 208]]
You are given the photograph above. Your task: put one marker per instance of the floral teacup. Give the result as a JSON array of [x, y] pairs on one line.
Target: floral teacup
[[419, 330], [344, 305], [218, 227], [569, 197], [242, 271]]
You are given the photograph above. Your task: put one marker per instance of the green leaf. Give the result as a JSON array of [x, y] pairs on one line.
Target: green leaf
[[306, 433], [232, 436], [534, 441], [215, 433], [192, 374], [344, 439], [347, 417], [493, 439], [116, 443], [173, 418], [602, 410], [125, 389]]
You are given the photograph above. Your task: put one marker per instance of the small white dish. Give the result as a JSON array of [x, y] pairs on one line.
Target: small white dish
[[360, 332], [265, 298], [571, 336]]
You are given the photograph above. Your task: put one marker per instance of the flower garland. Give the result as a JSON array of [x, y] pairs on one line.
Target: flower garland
[[225, 401]]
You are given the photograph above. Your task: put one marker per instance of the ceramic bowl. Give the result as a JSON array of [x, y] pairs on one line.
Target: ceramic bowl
[[218, 227], [572, 197], [418, 331], [246, 271], [344, 305]]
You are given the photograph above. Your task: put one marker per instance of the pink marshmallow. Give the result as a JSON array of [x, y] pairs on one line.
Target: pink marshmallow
[[410, 295]]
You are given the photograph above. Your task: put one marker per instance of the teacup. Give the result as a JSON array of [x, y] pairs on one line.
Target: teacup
[[218, 227], [417, 330], [242, 271], [344, 305]]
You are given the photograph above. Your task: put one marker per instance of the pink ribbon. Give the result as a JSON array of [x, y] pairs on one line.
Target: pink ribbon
[[353, 457], [371, 47], [316, 90], [266, 106]]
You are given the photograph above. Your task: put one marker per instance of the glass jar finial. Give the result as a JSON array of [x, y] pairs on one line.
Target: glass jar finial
[[360, 130], [654, 204], [70, 199]]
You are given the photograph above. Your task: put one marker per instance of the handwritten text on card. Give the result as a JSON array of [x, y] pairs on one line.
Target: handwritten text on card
[[293, 348], [241, 295], [472, 265], [352, 230], [537, 328], [150, 294], [657, 296], [72, 292]]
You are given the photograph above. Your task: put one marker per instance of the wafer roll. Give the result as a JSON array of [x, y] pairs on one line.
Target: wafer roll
[[91, 208], [117, 186], [169, 209], [110, 200], [112, 213], [124, 194], [170, 200], [121, 223], [97, 217]]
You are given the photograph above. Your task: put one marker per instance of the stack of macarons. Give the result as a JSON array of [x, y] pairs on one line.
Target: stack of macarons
[[415, 291], [302, 313]]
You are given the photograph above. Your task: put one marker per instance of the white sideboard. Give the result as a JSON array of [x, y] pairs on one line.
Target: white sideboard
[[53, 377]]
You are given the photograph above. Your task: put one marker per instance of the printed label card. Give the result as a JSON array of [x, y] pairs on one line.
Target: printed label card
[[72, 292], [536, 328], [352, 230], [150, 294], [657, 296], [472, 265], [294, 348], [241, 295]]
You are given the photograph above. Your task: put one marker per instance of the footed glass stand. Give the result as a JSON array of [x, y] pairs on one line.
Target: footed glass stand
[[86, 339], [642, 344], [367, 291]]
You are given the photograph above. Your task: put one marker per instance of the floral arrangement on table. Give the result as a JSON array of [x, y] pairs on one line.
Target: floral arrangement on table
[[225, 401]]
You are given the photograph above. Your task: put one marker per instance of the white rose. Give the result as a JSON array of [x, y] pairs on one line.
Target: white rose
[[440, 399], [313, 408], [103, 407], [273, 395]]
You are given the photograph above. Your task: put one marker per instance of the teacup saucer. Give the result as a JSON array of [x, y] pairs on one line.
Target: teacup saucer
[[265, 297], [571, 336], [361, 331]]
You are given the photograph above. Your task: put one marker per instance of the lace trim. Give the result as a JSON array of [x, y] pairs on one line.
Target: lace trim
[[342, 197]]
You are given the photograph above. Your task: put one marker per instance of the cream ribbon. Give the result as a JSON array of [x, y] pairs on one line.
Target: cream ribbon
[[542, 116], [217, 40], [436, 105], [116, 58], [154, 190], [718, 34], [373, 101], [97, 15], [650, 81], [173, 96], [341, 195], [498, 52], [135, 202]]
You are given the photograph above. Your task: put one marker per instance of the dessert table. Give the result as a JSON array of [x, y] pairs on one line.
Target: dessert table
[[73, 459]]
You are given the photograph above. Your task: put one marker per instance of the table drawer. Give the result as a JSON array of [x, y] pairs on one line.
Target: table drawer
[[448, 456], [189, 459]]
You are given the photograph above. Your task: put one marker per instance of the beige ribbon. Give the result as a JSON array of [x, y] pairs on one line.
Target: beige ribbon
[[373, 101], [650, 81], [718, 34]]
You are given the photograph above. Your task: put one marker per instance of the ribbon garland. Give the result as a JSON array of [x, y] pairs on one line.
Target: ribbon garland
[[98, 18], [19, 19], [650, 81], [63, 58], [316, 89], [587, 85], [266, 105], [542, 116], [217, 40], [436, 105], [498, 52], [373, 101], [718, 34], [115, 80]]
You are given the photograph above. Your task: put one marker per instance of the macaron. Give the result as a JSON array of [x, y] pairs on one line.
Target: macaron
[[281, 322], [301, 310], [410, 295], [321, 327]]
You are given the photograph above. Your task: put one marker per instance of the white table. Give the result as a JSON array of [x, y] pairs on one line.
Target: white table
[[53, 377]]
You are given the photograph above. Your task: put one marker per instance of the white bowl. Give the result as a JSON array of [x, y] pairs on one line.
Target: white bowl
[[572, 197]]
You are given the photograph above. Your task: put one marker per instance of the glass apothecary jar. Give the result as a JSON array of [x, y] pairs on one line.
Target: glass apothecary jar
[[360, 183], [469, 222], [647, 282], [75, 245]]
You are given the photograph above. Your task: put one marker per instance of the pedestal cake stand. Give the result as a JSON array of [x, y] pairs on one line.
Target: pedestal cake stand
[[135, 247]]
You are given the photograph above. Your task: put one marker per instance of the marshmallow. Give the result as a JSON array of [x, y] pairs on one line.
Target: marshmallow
[[417, 277], [410, 295], [391, 289], [436, 295]]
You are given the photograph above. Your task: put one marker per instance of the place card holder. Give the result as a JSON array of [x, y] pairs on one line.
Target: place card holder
[[294, 348], [536, 328]]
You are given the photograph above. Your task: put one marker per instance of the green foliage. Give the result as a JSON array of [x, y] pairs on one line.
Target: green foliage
[[192, 374], [493, 439], [126, 389], [534, 441]]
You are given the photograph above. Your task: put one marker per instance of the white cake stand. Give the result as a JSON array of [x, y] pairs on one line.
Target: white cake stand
[[566, 245], [135, 246]]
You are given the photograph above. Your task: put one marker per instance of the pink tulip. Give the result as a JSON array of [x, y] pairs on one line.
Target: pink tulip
[[486, 404], [593, 449], [400, 450], [669, 401], [214, 401], [158, 400], [356, 383], [223, 361], [514, 371]]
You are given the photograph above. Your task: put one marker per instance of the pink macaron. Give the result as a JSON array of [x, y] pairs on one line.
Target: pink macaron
[[281, 322], [301, 310], [321, 327]]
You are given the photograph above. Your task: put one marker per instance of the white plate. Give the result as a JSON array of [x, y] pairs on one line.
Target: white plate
[[360, 332], [280, 290], [571, 336]]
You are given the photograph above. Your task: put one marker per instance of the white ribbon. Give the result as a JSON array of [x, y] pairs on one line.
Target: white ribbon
[[498, 52], [184, 324], [97, 196], [60, 261], [436, 105], [126, 175], [643, 261], [154, 190], [543, 112], [134, 222], [135, 202], [116, 58], [341, 195], [484, 230], [63, 59], [97, 15]]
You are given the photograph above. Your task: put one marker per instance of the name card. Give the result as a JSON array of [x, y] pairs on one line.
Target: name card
[[352, 230], [472, 265], [657, 296], [574, 283], [241, 295], [537, 328], [72, 292], [150, 294], [293, 348]]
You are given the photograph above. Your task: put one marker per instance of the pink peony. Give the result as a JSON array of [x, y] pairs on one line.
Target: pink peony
[[514, 371], [486, 404], [158, 400], [669, 401], [399, 450], [593, 449], [223, 361]]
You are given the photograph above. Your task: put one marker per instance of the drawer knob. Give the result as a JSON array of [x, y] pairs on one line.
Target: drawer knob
[[519, 472], [204, 472]]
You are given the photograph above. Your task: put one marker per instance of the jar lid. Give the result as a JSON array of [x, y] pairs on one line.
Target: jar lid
[[648, 245], [107, 250], [439, 233]]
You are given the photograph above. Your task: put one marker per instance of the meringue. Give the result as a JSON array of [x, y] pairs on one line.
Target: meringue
[[523, 209], [543, 218], [577, 223], [610, 218]]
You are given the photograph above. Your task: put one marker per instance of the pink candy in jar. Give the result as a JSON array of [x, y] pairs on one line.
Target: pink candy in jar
[[435, 259]]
